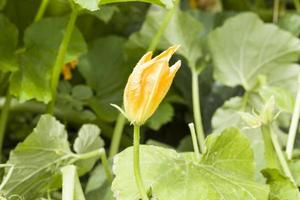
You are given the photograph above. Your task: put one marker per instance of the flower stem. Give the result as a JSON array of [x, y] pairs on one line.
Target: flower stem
[[281, 157], [197, 110], [3, 120], [121, 121], [96, 153], [166, 20], [293, 126], [194, 139], [106, 167], [270, 155], [60, 58], [71, 188], [41, 10], [117, 135], [276, 11], [136, 163]]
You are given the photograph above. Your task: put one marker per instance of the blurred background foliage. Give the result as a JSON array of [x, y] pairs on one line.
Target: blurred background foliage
[[103, 50]]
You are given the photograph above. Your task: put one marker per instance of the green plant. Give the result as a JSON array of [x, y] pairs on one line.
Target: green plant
[[226, 129]]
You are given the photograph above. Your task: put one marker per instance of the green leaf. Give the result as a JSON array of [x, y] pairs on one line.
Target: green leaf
[[183, 29], [82, 92], [88, 140], [38, 159], [2, 4], [294, 166], [106, 13], [291, 23], [225, 171], [42, 40], [162, 115], [104, 70], [256, 49], [165, 3], [91, 5], [98, 187], [281, 187], [8, 44]]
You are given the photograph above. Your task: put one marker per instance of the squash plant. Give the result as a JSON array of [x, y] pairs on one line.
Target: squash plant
[[90, 108]]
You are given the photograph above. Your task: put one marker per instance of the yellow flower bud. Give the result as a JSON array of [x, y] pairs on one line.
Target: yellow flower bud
[[148, 84]]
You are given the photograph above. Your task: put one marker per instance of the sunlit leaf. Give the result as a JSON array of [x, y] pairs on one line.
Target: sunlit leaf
[[255, 49], [37, 160], [226, 170]]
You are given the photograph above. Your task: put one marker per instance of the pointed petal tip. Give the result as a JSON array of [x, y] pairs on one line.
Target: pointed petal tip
[[174, 68]]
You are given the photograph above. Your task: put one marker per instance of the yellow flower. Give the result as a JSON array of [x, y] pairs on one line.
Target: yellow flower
[[148, 84]]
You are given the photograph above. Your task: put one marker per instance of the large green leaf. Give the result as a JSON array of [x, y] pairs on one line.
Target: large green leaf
[[104, 69], [38, 159], [42, 41], [8, 45], [255, 49], [281, 187], [183, 29], [225, 171]]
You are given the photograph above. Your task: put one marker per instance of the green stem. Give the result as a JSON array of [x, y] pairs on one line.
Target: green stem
[[117, 134], [197, 110], [96, 153], [276, 11], [41, 10], [166, 20], [293, 127], [3, 120], [283, 163], [136, 163], [8, 175], [297, 5], [270, 155], [61, 58], [71, 190], [194, 139], [106, 167], [121, 121]]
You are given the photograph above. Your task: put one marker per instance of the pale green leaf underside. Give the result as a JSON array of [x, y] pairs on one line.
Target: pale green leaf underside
[[245, 47], [88, 140], [224, 172], [37, 158]]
